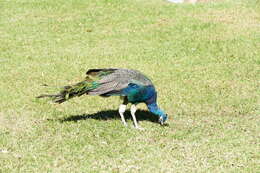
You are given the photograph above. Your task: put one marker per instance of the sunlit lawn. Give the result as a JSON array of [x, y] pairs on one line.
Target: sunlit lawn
[[203, 59]]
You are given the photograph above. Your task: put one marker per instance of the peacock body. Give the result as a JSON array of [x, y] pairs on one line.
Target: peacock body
[[132, 85]]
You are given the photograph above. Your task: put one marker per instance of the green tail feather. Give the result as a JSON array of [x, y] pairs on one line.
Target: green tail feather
[[80, 88], [69, 92]]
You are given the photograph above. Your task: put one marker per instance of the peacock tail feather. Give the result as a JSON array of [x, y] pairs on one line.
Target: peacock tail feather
[[68, 92], [105, 83]]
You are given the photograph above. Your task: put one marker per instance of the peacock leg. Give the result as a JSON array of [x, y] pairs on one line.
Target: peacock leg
[[133, 110], [121, 111]]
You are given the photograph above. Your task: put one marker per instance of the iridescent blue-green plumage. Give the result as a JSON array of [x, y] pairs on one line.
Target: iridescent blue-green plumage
[[131, 84]]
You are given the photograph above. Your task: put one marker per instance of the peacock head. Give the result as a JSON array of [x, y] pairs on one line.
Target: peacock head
[[157, 111], [162, 117]]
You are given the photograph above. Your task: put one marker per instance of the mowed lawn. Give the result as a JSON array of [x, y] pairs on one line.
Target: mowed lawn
[[204, 60]]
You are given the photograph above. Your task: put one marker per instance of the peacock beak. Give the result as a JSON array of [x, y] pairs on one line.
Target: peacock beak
[[163, 119]]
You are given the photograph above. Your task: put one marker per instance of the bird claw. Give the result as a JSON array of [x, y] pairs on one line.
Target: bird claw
[[139, 128]]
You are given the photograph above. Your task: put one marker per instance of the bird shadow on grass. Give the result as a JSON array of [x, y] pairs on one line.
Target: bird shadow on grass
[[112, 114]]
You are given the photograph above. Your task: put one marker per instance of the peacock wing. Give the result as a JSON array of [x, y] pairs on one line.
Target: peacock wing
[[113, 81]]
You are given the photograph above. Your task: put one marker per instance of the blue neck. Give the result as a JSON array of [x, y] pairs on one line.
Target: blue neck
[[153, 107]]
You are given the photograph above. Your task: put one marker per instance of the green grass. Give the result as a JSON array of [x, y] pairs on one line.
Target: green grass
[[203, 59]]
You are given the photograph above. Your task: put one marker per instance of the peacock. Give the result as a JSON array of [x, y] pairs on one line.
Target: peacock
[[131, 85]]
